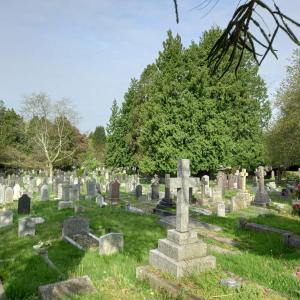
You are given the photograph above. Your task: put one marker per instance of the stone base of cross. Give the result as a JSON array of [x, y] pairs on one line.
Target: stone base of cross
[[181, 252]]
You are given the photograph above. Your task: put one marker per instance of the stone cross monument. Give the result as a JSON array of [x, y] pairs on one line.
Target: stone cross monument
[[261, 197], [243, 176], [181, 252]]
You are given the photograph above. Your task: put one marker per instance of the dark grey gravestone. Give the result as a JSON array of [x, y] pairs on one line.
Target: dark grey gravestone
[[24, 204], [138, 191], [75, 225], [115, 190]]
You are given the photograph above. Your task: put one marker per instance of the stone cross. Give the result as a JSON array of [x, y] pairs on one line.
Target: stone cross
[[261, 173], [183, 183], [243, 176]]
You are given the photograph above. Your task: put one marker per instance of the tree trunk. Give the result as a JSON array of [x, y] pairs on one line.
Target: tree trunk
[[50, 166]]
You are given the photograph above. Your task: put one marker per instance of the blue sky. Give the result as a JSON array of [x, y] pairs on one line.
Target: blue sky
[[88, 50]]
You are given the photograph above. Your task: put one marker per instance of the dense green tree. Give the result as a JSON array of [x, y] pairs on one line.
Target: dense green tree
[[177, 109], [283, 138], [98, 140]]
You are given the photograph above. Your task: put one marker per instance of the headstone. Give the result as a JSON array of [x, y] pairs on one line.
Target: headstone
[[6, 218], [111, 243], [261, 197], [217, 194], [91, 187], [59, 191], [138, 191], [26, 227], [100, 201], [2, 194], [272, 175], [67, 289], [236, 179], [44, 193], [231, 181], [65, 204], [16, 191], [9, 194], [182, 252], [65, 192], [155, 188], [221, 209], [24, 204], [115, 191], [243, 176], [75, 225], [74, 192]]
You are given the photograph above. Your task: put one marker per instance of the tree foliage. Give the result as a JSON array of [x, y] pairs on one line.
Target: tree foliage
[[178, 109], [283, 138]]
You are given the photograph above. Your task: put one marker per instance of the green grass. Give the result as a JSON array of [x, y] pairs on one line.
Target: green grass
[[264, 260]]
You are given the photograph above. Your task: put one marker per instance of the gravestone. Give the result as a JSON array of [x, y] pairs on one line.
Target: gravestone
[[230, 181], [272, 175], [91, 187], [75, 225], [44, 193], [166, 200], [115, 191], [59, 191], [111, 243], [261, 197], [65, 192], [181, 252], [100, 201], [67, 289], [16, 191], [221, 209], [2, 194], [6, 218], [236, 179], [217, 194], [24, 204], [9, 194], [26, 227], [138, 191], [155, 188], [74, 192]]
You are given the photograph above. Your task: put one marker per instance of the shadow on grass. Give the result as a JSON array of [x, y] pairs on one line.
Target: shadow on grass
[[22, 271]]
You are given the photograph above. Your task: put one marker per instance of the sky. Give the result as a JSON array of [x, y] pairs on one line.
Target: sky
[[88, 50]]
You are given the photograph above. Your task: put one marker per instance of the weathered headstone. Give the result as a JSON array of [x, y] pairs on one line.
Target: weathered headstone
[[155, 188], [2, 194], [44, 193], [100, 201], [221, 209], [182, 252], [26, 227], [75, 225], [9, 194], [66, 289], [115, 191], [138, 191], [91, 187], [24, 203], [16, 191], [6, 218], [261, 197], [111, 243]]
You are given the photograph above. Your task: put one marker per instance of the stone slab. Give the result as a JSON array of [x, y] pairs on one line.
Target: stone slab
[[182, 252], [68, 288], [65, 204], [158, 283], [182, 238], [6, 218], [182, 268]]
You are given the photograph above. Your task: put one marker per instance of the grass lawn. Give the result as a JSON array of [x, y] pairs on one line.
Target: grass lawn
[[264, 262]]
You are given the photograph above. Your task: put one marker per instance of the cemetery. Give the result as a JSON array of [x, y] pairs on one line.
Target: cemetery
[[191, 189]]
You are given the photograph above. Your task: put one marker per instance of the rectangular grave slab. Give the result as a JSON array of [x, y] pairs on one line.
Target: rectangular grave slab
[[66, 289], [111, 243], [6, 218], [26, 227], [75, 225], [65, 204]]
